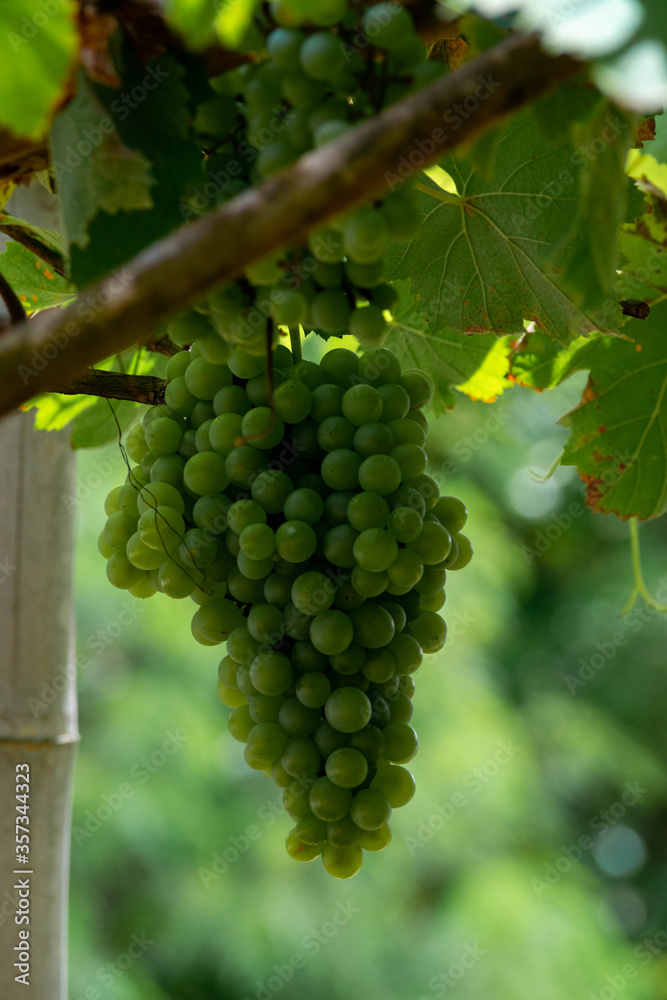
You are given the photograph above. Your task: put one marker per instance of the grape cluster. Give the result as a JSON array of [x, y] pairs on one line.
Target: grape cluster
[[318, 69], [304, 526]]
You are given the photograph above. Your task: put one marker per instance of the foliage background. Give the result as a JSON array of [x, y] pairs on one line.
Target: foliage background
[[524, 627]]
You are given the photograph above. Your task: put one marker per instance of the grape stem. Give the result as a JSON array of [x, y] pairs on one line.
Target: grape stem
[[295, 343], [640, 588]]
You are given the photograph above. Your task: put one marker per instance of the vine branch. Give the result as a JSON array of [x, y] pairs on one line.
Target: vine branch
[[12, 301], [115, 385], [121, 310]]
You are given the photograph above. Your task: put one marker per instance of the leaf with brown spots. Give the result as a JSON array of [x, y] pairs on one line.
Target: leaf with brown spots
[[36, 284]]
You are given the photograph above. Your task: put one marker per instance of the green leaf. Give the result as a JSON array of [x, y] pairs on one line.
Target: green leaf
[[36, 285], [539, 363], [96, 171], [475, 364], [39, 48], [492, 257], [152, 116], [54, 241], [618, 433], [233, 21]]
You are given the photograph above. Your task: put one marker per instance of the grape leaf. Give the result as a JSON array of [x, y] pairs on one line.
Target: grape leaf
[[492, 257], [618, 433], [152, 116], [476, 365], [95, 170], [10, 225], [37, 286], [199, 21], [39, 48], [539, 363]]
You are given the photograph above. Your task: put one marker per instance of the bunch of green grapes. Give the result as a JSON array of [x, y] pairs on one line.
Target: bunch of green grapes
[[318, 69], [303, 524]]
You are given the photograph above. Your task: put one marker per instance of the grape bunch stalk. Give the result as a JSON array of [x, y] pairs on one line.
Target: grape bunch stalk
[[316, 547]]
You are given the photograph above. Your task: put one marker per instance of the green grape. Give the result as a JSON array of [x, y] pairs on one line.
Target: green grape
[[242, 589], [214, 349], [340, 366], [304, 440], [313, 689], [283, 46], [127, 499], [265, 708], [347, 598], [407, 568], [297, 625], [210, 513], [188, 446], [231, 399], [400, 743], [395, 402], [341, 468], [175, 581], [201, 412], [229, 696], [159, 495], [380, 666], [227, 669], [204, 379], [411, 460], [297, 719], [111, 502], [205, 473], [103, 546], [408, 496], [245, 365], [339, 545], [168, 469], [321, 56], [329, 802], [121, 573], [432, 581], [375, 840], [312, 593], [254, 569], [272, 158], [296, 800], [244, 681], [379, 474], [347, 709], [369, 741], [373, 439], [279, 774], [162, 528], [295, 541], [329, 275], [387, 24], [405, 524], [365, 275], [465, 552], [331, 631], [202, 439], [265, 623], [432, 544], [303, 505], [178, 397], [365, 235], [342, 862], [370, 809], [367, 583], [270, 490], [373, 626], [326, 402], [140, 555], [367, 510], [243, 513], [362, 404], [407, 432], [375, 550], [434, 602], [326, 246], [368, 324], [177, 365], [384, 297], [240, 724], [293, 401], [327, 739], [342, 833], [135, 443], [243, 465], [257, 541], [400, 708], [398, 614], [419, 386], [306, 658], [271, 673], [451, 513], [417, 417], [241, 646], [301, 758], [346, 768], [310, 830], [407, 652], [277, 590], [330, 311], [266, 743], [297, 849], [262, 427], [335, 508], [427, 488], [335, 432], [217, 618]]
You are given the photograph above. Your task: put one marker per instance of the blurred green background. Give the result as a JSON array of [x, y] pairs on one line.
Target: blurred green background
[[532, 860]]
